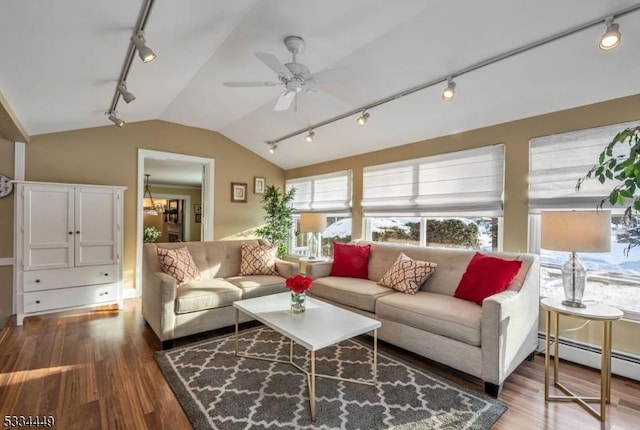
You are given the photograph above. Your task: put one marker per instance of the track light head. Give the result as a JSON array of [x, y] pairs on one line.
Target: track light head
[[117, 121], [126, 95], [450, 91], [362, 119], [310, 136], [272, 148], [146, 54], [611, 38]]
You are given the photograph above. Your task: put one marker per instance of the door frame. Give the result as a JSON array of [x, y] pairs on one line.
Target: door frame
[[207, 200]]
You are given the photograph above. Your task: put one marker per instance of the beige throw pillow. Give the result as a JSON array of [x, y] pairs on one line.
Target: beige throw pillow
[[407, 275], [178, 264], [258, 260]]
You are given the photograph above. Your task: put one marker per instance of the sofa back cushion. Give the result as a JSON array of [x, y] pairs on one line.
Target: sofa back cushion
[[214, 259], [452, 263]]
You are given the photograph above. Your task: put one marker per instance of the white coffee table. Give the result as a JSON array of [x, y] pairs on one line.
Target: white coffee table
[[321, 325]]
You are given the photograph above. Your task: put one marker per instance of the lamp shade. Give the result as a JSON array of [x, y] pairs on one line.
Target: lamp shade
[[312, 223], [576, 231]]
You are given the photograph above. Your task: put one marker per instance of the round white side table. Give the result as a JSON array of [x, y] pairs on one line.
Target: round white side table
[[595, 312]]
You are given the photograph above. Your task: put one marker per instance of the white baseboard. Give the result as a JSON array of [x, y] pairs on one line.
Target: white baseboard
[[129, 293], [622, 364], [7, 261]]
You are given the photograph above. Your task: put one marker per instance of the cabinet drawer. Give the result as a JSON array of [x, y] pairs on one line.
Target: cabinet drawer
[[69, 297], [39, 280]]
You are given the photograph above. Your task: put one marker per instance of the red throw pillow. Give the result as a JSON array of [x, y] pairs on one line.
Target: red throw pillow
[[350, 261], [486, 276]]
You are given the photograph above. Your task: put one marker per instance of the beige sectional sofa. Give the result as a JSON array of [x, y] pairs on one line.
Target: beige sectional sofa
[[204, 304], [487, 341]]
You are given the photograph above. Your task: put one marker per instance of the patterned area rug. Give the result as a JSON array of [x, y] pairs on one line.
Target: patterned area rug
[[220, 391]]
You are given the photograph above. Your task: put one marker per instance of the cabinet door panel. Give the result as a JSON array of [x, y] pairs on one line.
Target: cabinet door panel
[[96, 224], [48, 227]]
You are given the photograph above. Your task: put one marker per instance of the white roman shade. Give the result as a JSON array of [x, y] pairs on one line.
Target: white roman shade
[[558, 161], [469, 182], [322, 193]]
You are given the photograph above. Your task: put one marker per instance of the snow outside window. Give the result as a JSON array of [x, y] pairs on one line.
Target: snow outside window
[[338, 230], [556, 164]]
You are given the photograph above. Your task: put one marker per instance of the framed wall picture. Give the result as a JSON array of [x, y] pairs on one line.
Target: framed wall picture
[[198, 218], [238, 192], [258, 185], [197, 209]]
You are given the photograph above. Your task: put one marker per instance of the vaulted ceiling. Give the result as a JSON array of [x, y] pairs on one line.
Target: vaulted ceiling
[[60, 61]]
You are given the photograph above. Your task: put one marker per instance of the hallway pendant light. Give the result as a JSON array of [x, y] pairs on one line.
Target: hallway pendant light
[[126, 95], [362, 119], [450, 91], [117, 121], [146, 54], [310, 136], [154, 209], [611, 37]]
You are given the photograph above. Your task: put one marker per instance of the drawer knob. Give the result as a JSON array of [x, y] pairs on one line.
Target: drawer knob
[[37, 281], [37, 302], [77, 231], [106, 274], [70, 232]]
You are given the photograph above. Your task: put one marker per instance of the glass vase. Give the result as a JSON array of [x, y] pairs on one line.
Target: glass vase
[[298, 302]]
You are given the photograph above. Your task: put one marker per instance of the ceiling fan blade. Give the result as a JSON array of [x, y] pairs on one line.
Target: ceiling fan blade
[[284, 101], [252, 84], [274, 64]]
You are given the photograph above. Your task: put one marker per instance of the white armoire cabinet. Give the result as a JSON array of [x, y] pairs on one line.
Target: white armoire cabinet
[[68, 247]]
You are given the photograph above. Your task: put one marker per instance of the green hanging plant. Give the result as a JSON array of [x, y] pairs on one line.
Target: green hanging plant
[[278, 220], [626, 170]]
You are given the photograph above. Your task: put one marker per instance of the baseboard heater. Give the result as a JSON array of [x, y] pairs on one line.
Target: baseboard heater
[[622, 364]]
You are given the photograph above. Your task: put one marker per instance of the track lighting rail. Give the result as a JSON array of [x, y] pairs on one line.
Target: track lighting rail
[[124, 73], [484, 63]]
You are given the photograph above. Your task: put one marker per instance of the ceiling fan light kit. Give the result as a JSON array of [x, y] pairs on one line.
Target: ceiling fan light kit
[[609, 40]]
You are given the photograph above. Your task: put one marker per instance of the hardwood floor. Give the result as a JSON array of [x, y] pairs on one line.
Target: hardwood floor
[[95, 370]]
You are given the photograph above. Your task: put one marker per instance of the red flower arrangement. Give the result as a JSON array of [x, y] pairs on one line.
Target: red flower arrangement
[[298, 284]]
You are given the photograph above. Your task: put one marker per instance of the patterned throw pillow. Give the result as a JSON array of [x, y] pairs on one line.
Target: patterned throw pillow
[[407, 275], [258, 260], [178, 264]]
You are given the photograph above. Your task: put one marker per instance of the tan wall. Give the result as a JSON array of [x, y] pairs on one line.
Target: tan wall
[[108, 155], [6, 232], [515, 135]]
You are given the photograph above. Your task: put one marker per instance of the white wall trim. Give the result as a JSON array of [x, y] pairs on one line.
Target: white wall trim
[[19, 158], [622, 364], [9, 261], [207, 200]]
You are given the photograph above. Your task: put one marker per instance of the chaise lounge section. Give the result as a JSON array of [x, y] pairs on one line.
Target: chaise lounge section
[[487, 341]]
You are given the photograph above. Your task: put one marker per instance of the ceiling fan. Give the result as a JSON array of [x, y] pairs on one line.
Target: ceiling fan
[[294, 76]]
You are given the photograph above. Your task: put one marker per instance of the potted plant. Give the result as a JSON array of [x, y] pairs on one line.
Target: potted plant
[[150, 234], [616, 164], [278, 221]]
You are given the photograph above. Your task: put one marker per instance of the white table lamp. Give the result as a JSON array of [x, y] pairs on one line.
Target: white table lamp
[[313, 224], [576, 231]]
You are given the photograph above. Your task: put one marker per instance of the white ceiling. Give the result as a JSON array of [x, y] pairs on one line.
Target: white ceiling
[[173, 173], [61, 60]]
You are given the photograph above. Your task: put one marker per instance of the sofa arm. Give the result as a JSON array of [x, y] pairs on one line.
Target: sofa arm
[[158, 303], [510, 327], [318, 270], [287, 269]]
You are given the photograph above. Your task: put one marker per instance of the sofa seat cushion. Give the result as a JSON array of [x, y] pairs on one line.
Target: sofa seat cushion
[[354, 292], [436, 313], [206, 294], [258, 285]]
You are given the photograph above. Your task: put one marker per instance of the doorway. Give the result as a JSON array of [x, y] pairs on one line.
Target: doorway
[[206, 206]]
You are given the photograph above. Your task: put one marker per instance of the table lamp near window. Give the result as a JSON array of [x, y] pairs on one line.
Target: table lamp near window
[[576, 231], [313, 224]]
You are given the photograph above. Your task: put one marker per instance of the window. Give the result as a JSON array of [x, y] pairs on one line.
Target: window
[[447, 200], [556, 164], [329, 194]]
